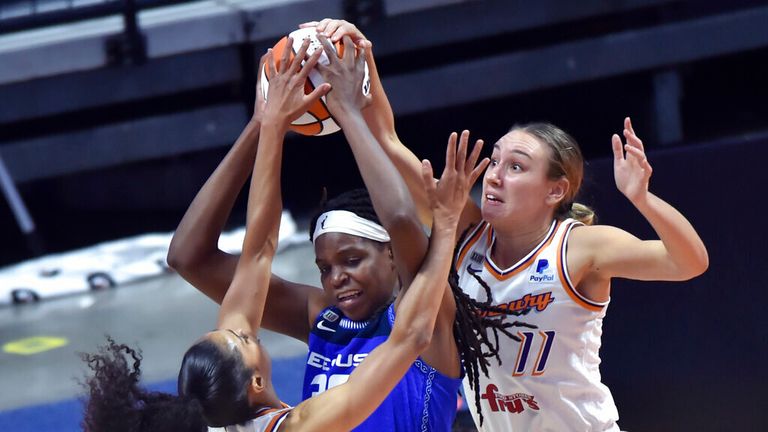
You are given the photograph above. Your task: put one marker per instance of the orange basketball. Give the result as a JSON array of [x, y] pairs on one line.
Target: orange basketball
[[317, 120]]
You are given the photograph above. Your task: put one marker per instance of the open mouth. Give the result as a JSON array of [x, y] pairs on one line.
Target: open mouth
[[492, 198], [348, 296]]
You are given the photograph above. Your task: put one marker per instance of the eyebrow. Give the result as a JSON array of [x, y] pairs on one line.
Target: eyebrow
[[520, 152], [236, 335]]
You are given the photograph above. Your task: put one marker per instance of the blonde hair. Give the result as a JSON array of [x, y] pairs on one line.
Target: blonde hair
[[565, 160]]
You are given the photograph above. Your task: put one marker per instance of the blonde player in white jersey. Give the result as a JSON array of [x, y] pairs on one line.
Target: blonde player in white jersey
[[536, 250]]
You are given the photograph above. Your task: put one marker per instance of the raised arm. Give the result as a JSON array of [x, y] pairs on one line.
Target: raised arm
[[679, 254], [345, 406], [243, 304], [389, 194], [381, 121]]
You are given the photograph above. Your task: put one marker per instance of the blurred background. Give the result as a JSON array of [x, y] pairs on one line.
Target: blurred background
[[114, 112]]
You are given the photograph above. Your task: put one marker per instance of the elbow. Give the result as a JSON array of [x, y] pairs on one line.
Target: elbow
[[402, 219], [698, 264], [181, 259], [416, 338], [702, 263]]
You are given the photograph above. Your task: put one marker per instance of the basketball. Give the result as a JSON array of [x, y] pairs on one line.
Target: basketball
[[317, 120]]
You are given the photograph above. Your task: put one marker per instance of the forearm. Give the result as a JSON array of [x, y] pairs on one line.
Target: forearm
[[198, 232], [388, 191], [419, 307], [264, 199], [683, 245], [381, 121]]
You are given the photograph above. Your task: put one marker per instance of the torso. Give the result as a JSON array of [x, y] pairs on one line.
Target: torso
[[424, 400], [551, 380]]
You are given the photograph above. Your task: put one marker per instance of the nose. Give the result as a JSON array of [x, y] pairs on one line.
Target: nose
[[492, 175], [338, 277]]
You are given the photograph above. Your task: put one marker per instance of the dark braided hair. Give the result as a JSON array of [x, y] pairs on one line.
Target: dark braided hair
[[116, 402], [473, 318], [470, 328], [357, 201]]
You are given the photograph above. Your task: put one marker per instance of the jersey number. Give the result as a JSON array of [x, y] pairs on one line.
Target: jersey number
[[548, 337], [324, 382]]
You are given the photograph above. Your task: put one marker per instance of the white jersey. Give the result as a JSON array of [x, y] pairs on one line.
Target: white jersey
[[266, 420], [551, 380]]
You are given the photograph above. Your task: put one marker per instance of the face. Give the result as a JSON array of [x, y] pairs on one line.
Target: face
[[356, 273], [254, 356], [515, 186]]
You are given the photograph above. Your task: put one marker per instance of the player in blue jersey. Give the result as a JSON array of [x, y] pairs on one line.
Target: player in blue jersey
[[535, 251], [226, 375], [363, 263]]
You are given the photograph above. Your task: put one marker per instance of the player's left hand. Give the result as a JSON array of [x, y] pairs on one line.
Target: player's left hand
[[631, 169]]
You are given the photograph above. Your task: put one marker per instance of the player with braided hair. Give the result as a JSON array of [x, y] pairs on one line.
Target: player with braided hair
[[359, 274], [536, 251], [225, 376]]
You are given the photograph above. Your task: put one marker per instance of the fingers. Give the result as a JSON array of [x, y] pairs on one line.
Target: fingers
[[299, 57], [328, 47], [349, 51], [262, 64], [271, 63], [286, 55], [316, 94], [321, 26], [450, 153], [638, 156], [461, 157], [331, 27], [475, 155], [618, 153], [428, 179], [478, 170], [311, 63]]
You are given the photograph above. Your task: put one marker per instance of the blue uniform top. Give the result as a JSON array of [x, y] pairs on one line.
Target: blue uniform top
[[424, 400]]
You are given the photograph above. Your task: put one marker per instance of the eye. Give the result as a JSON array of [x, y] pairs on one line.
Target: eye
[[494, 162], [514, 166], [323, 269], [353, 261]]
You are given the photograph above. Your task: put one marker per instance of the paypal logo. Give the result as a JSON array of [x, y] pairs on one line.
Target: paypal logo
[[541, 268]]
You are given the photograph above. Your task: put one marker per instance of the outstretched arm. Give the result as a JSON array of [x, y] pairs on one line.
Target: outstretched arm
[[194, 252], [389, 194], [679, 254], [381, 121], [345, 406], [243, 303]]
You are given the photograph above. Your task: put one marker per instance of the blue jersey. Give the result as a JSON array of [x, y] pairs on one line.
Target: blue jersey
[[424, 400]]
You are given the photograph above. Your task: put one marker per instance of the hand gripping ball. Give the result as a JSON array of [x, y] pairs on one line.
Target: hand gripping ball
[[317, 120]]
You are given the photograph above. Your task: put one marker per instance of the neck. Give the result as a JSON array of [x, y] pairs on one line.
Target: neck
[[266, 399], [511, 246]]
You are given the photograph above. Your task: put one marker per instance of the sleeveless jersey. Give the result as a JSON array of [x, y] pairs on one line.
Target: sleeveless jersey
[[424, 400], [266, 420], [551, 380]]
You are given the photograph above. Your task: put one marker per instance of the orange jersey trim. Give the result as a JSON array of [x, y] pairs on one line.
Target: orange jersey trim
[[518, 268], [469, 243], [566, 281]]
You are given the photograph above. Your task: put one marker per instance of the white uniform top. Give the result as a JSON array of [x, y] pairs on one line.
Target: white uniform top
[[266, 420], [551, 380]]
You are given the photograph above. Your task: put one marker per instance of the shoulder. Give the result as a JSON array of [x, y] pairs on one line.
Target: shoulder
[[595, 236]]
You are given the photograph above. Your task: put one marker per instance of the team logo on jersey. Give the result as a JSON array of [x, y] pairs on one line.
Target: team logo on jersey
[[513, 404], [330, 316], [525, 304], [341, 360], [543, 273]]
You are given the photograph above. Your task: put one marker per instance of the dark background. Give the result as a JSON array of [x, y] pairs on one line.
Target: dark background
[[677, 356]]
